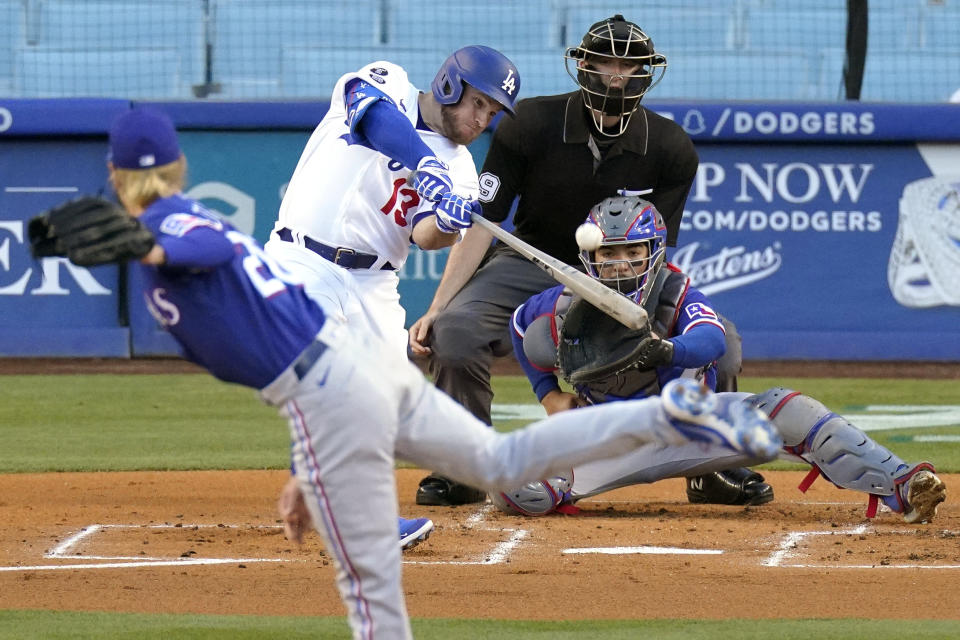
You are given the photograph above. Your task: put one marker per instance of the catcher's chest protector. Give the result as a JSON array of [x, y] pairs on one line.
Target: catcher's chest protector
[[663, 303], [662, 307]]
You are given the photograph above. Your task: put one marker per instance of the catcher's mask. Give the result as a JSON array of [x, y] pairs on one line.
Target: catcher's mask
[[606, 43], [485, 69], [627, 221]]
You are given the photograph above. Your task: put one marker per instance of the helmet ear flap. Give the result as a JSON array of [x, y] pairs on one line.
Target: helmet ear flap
[[447, 86], [485, 69]]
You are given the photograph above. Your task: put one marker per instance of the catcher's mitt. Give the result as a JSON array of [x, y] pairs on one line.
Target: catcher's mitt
[[90, 231], [594, 348]]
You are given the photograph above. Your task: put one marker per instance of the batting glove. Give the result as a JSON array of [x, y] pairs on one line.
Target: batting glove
[[432, 179], [453, 212]]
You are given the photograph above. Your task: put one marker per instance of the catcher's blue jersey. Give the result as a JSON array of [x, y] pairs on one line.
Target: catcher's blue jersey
[[235, 311], [697, 336]]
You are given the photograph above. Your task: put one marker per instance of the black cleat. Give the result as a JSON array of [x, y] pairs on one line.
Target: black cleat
[[438, 491], [738, 486]]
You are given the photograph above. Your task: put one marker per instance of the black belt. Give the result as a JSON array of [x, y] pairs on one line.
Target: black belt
[[308, 357], [343, 256]]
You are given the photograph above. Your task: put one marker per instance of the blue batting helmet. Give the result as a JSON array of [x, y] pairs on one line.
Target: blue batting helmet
[[485, 69]]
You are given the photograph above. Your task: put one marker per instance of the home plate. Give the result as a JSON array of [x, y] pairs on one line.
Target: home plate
[[619, 551]]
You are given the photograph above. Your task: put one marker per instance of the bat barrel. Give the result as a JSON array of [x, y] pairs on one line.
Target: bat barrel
[[625, 311]]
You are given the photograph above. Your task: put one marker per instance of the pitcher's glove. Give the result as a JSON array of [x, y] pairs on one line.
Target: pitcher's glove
[[594, 347], [90, 231]]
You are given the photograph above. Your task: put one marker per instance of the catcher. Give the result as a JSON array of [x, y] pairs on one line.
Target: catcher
[[556, 333]]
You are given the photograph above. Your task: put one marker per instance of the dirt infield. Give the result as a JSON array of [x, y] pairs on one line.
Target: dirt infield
[[208, 542]]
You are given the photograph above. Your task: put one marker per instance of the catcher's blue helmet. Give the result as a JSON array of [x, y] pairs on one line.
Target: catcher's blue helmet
[[628, 220], [485, 69]]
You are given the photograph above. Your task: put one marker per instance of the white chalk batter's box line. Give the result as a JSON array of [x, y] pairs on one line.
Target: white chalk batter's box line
[[497, 555], [792, 540]]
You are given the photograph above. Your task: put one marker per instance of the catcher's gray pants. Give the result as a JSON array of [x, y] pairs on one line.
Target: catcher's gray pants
[[648, 464], [475, 328]]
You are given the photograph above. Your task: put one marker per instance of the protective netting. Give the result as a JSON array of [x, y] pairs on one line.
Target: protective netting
[[240, 49]]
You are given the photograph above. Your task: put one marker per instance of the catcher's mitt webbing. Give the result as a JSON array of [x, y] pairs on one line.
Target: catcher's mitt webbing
[[91, 231], [594, 346]]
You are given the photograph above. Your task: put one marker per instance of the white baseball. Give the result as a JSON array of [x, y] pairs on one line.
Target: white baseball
[[589, 236]]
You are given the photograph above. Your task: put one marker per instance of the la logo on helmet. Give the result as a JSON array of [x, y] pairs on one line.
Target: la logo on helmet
[[509, 84]]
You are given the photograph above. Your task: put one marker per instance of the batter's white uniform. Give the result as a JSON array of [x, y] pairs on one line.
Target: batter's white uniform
[[345, 194]]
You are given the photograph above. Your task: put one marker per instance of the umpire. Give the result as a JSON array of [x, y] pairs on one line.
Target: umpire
[[559, 156]]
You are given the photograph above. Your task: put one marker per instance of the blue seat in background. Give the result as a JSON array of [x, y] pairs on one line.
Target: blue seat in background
[[506, 25], [829, 75], [94, 25], [898, 23], [940, 26], [768, 75], [249, 37], [12, 36], [785, 27], [911, 76], [671, 25], [750, 49], [313, 71], [42, 72], [542, 73]]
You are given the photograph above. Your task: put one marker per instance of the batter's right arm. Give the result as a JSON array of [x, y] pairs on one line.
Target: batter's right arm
[[465, 257], [502, 173]]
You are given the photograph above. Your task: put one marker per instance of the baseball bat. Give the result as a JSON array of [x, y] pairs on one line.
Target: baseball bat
[[624, 310]]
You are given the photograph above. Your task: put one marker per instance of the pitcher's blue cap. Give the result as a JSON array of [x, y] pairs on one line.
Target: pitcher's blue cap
[[141, 139]]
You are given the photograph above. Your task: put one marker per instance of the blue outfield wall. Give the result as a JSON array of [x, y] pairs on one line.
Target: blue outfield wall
[[825, 231]]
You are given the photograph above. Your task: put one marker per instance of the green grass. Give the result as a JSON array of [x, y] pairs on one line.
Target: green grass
[[62, 625], [160, 422], [843, 394], [138, 422]]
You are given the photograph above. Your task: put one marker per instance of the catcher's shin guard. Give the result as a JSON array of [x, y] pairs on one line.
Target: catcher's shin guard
[[847, 456]]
